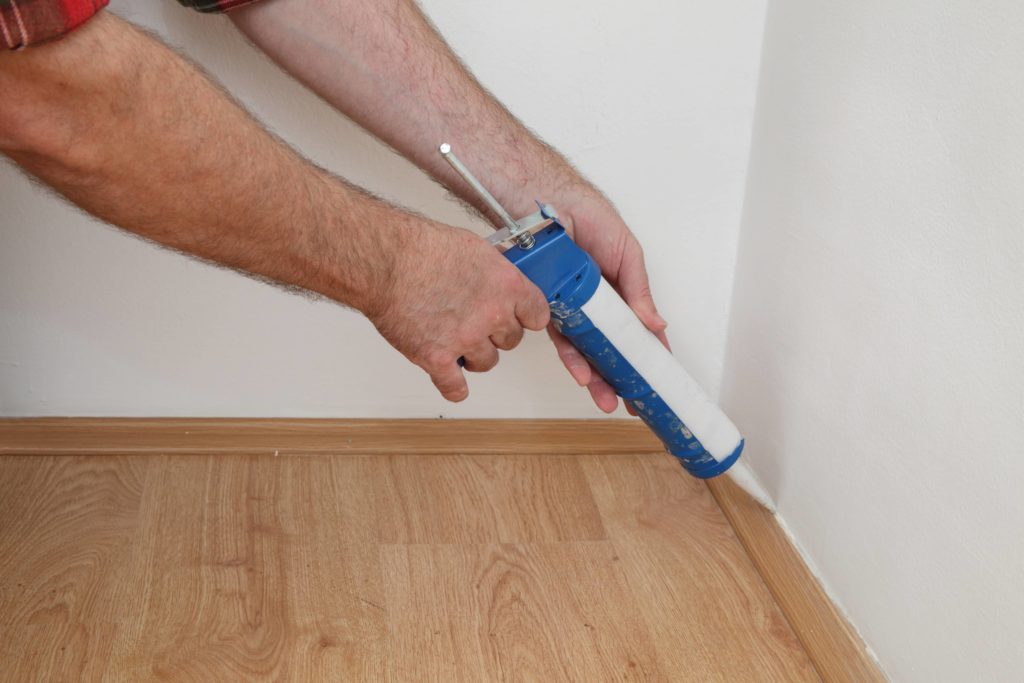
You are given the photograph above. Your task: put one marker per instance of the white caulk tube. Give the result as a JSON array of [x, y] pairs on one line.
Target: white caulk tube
[[667, 379], [591, 314]]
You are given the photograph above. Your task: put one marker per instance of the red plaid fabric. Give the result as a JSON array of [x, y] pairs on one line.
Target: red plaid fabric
[[26, 22]]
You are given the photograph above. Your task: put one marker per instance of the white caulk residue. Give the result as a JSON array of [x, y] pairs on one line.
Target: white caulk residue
[[744, 477]]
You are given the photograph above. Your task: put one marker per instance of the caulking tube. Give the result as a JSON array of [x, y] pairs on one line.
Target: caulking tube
[[591, 314]]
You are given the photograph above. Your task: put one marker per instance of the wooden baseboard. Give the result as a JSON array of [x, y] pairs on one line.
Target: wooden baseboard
[[835, 649], [356, 437]]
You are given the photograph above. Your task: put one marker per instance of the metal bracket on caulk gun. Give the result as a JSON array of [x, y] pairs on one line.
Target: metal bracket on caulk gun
[[521, 231]]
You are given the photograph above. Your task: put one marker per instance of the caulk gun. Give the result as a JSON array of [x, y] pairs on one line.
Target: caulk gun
[[591, 315]]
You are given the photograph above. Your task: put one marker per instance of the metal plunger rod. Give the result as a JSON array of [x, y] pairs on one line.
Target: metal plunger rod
[[510, 223]]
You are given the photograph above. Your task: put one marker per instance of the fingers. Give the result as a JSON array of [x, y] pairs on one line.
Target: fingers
[[573, 360], [602, 393], [578, 366], [508, 337], [450, 381], [482, 357], [506, 331], [532, 309], [635, 288]]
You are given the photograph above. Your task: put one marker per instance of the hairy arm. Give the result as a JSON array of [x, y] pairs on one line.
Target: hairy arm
[[383, 65], [129, 131]]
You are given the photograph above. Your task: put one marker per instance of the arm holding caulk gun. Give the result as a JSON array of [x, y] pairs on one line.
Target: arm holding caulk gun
[[416, 94], [134, 134], [105, 115], [387, 68]]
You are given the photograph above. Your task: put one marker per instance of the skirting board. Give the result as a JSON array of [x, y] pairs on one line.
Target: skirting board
[[79, 436], [833, 646]]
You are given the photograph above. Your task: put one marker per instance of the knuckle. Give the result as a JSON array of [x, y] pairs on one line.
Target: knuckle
[[544, 314], [511, 340], [439, 360], [469, 340], [501, 340], [494, 314], [539, 320], [510, 276], [568, 353], [483, 359]]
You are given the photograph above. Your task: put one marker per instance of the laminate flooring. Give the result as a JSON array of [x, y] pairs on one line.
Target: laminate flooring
[[404, 567]]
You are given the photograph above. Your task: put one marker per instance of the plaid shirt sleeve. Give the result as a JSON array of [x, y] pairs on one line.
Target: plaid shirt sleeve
[[214, 5], [26, 22]]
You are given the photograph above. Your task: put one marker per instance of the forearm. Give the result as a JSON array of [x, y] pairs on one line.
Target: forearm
[[134, 134], [383, 65]]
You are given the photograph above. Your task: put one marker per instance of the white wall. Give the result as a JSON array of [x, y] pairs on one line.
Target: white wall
[[874, 357], [876, 353], [653, 100]]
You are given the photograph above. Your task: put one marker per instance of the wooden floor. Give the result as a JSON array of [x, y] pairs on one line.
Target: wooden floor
[[338, 566]]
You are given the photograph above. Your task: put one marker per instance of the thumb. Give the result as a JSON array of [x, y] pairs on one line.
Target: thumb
[[532, 309], [450, 382]]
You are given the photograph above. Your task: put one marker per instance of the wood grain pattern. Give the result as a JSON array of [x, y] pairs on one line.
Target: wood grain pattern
[[836, 649], [254, 568], [105, 436], [484, 499], [544, 612], [66, 530], [691, 579], [385, 563]]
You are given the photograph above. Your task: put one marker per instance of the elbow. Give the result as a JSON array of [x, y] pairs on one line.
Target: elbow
[[16, 127], [38, 130], [40, 139], [40, 88], [42, 105], [60, 102], [26, 123]]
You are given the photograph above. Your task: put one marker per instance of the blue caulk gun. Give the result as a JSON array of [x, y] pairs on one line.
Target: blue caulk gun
[[591, 314]]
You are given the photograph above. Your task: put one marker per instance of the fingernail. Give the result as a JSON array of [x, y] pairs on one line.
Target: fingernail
[[659, 321]]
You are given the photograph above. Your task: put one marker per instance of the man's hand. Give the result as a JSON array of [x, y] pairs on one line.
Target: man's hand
[[384, 66], [453, 295], [599, 230]]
